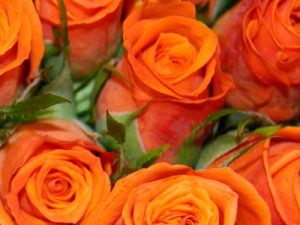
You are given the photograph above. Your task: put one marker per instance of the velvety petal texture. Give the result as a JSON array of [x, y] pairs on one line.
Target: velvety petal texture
[[260, 43], [21, 46], [52, 173], [172, 59], [165, 194], [273, 167], [93, 28]]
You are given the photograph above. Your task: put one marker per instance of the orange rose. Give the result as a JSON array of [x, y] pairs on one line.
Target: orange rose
[[93, 27], [165, 194], [273, 168], [21, 43], [170, 58], [51, 173], [260, 43]]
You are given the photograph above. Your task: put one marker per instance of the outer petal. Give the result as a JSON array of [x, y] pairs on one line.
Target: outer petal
[[272, 167], [246, 211]]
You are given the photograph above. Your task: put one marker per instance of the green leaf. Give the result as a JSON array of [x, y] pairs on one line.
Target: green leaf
[[215, 148], [115, 72], [115, 129], [148, 158], [132, 146], [240, 153], [109, 143], [62, 86], [267, 131], [54, 64], [133, 115], [244, 119], [86, 93], [221, 6], [242, 125], [29, 109], [124, 168], [51, 50], [121, 50], [188, 153]]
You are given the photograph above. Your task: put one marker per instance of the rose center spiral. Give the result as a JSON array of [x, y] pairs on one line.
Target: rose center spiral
[[174, 53], [295, 16], [58, 186]]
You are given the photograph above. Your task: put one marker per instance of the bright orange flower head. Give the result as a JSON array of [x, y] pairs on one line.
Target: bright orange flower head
[[51, 173], [93, 28], [170, 58], [21, 45], [260, 42], [165, 194], [273, 167]]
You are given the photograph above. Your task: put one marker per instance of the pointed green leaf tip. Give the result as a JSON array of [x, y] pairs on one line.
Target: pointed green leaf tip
[[148, 158], [30, 108], [115, 129], [267, 131]]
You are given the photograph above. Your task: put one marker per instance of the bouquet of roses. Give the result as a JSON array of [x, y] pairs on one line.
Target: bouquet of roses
[[150, 112]]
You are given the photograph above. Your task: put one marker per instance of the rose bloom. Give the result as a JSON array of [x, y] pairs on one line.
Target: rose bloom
[[172, 59], [93, 28], [21, 48], [165, 194], [273, 168], [260, 43], [51, 173]]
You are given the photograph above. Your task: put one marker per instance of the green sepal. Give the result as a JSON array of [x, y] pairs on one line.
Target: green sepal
[[188, 153], [267, 131], [128, 144], [113, 70], [110, 143], [62, 86], [86, 93], [131, 146], [115, 129], [29, 109], [215, 148], [224, 143], [148, 158], [243, 120]]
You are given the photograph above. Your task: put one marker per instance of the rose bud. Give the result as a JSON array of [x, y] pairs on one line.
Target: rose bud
[[172, 60], [260, 47], [93, 28], [272, 166], [165, 194], [22, 47], [52, 173]]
